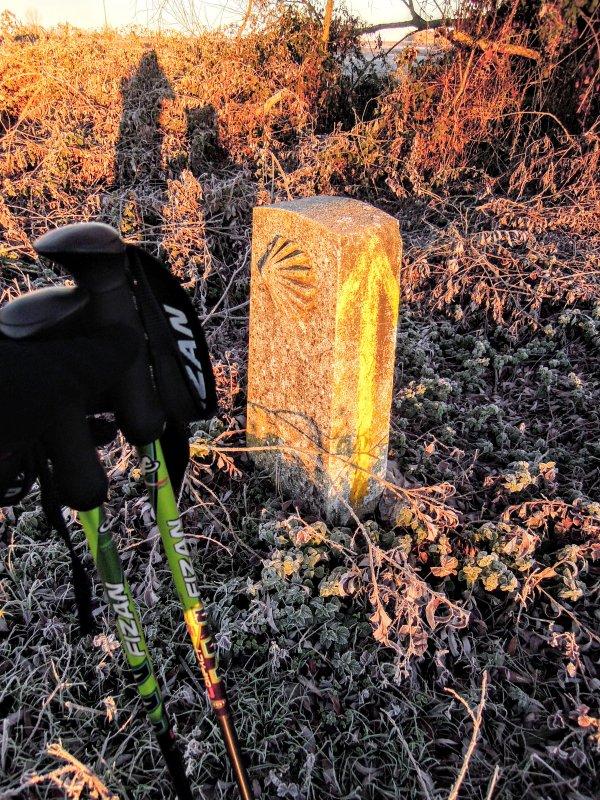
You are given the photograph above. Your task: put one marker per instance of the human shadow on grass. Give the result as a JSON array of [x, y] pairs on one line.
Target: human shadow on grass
[[160, 194], [139, 192]]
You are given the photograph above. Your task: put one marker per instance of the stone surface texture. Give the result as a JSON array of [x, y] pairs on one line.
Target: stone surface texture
[[323, 314]]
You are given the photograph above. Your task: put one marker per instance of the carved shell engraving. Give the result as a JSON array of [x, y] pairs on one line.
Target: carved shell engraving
[[288, 275]]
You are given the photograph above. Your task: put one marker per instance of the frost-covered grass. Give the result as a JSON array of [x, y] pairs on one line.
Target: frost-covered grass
[[317, 699]]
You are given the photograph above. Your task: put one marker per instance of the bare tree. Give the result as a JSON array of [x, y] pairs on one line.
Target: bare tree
[[192, 16], [32, 17], [421, 16]]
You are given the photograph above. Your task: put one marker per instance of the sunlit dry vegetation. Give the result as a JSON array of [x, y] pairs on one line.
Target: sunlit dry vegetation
[[351, 651]]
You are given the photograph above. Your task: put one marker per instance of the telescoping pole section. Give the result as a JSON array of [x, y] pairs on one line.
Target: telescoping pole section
[[131, 635], [169, 524]]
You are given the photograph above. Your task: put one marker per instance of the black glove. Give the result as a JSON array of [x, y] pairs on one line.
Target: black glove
[[49, 389]]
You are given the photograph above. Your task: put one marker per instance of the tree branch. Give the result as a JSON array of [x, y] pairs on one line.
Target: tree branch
[[416, 22], [462, 39], [246, 18], [327, 21]]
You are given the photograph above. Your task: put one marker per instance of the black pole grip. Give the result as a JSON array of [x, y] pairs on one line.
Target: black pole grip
[[95, 255]]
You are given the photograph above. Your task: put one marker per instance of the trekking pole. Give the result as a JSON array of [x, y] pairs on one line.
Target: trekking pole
[[131, 635], [162, 498], [36, 314], [120, 292]]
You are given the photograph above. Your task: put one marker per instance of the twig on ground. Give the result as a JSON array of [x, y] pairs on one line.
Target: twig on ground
[[477, 718], [493, 783], [74, 778]]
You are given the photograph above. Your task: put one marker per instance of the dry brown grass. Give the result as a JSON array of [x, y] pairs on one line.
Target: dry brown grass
[[101, 125], [174, 139]]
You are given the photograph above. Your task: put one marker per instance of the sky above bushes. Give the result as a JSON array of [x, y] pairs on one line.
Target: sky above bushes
[[91, 13]]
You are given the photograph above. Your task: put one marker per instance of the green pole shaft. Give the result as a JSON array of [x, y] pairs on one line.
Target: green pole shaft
[[133, 642], [162, 497], [129, 624]]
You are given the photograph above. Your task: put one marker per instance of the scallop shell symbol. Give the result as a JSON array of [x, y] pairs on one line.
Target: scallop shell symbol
[[288, 275]]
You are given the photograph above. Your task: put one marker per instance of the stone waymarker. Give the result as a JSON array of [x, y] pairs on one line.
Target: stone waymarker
[[323, 312]]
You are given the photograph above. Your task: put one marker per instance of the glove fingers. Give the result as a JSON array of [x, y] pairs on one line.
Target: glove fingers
[[47, 375], [80, 479], [114, 364], [100, 360], [53, 384]]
